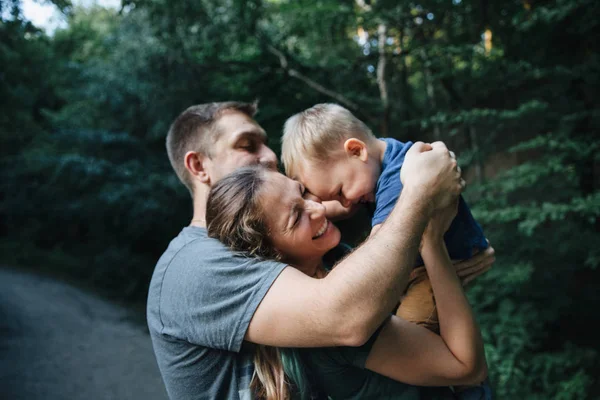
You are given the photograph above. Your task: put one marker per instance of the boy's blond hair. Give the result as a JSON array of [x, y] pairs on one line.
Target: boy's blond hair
[[316, 133]]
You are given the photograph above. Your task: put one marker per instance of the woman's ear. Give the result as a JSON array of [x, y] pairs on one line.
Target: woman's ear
[[195, 163], [356, 148]]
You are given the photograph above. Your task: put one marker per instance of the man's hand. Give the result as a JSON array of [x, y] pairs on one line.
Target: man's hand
[[431, 169]]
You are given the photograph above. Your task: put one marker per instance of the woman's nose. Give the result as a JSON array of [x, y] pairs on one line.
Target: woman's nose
[[314, 209]]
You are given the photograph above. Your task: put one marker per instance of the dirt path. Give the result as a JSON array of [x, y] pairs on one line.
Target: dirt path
[[58, 342]]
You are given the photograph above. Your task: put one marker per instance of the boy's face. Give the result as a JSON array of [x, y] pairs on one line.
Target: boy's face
[[345, 178]]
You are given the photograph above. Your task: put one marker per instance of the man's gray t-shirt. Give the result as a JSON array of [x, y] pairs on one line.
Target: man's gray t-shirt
[[202, 297]]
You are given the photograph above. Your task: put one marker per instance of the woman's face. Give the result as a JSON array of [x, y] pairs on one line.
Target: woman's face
[[298, 228]]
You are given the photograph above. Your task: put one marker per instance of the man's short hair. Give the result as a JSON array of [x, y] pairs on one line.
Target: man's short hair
[[194, 130], [314, 134]]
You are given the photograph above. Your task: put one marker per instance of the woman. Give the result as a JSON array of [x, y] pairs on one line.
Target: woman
[[263, 213]]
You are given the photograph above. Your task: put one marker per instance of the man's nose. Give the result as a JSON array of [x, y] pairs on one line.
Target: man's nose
[[314, 209], [267, 158]]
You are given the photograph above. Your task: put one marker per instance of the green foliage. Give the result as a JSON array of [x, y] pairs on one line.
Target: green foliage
[[86, 188]]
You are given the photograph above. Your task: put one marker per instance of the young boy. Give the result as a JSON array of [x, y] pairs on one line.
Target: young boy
[[337, 157]]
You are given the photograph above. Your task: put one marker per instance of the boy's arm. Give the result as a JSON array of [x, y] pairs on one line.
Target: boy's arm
[[335, 211], [348, 305]]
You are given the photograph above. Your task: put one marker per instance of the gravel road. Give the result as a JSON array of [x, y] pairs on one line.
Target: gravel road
[[59, 342]]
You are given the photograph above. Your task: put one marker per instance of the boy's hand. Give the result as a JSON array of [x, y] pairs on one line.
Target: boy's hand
[[481, 262], [431, 169], [335, 211]]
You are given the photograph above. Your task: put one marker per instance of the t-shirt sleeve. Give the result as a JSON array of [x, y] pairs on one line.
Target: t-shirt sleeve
[[386, 197], [209, 294], [464, 234], [389, 185], [341, 372]]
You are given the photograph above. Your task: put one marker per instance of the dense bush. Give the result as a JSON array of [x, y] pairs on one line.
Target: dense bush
[[86, 190]]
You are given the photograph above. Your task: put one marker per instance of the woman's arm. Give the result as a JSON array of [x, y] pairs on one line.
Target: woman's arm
[[412, 354]]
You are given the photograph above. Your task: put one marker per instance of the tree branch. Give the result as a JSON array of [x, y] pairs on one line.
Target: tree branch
[[381, 82], [317, 86]]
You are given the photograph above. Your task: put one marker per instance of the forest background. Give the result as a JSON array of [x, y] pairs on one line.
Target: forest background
[[87, 192]]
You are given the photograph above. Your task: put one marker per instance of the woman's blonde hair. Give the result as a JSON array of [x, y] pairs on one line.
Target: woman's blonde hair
[[235, 216], [269, 381]]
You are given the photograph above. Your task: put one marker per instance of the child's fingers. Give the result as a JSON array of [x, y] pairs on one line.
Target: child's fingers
[[463, 268], [470, 278], [480, 263], [485, 255], [473, 270]]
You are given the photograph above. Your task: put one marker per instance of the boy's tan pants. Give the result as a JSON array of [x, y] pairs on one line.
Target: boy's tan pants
[[418, 303]]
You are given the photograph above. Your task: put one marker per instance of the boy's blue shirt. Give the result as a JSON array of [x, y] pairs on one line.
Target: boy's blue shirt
[[464, 234]]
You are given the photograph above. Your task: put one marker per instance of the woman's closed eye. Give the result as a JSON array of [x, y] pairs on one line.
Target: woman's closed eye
[[297, 208], [298, 216]]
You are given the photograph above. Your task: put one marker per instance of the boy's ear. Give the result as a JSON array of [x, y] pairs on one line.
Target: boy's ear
[[195, 163], [356, 148]]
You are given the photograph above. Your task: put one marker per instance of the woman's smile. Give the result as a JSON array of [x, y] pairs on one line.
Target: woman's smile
[[322, 229]]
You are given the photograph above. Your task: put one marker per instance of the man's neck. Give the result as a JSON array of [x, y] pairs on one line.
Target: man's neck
[[199, 203]]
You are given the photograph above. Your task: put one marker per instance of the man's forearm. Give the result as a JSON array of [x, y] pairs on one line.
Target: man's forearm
[[365, 287]]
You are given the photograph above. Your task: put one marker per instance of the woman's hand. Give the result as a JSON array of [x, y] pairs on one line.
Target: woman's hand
[[440, 222]]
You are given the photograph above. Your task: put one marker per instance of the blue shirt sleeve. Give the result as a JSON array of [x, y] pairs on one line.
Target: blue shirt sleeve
[[464, 234], [388, 185]]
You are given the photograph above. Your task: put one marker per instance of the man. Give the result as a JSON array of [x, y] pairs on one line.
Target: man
[[206, 306]]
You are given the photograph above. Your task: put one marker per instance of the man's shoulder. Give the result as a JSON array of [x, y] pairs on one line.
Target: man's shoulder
[[193, 244], [198, 258], [199, 279]]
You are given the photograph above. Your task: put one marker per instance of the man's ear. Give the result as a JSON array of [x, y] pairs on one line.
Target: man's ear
[[356, 148], [196, 164]]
